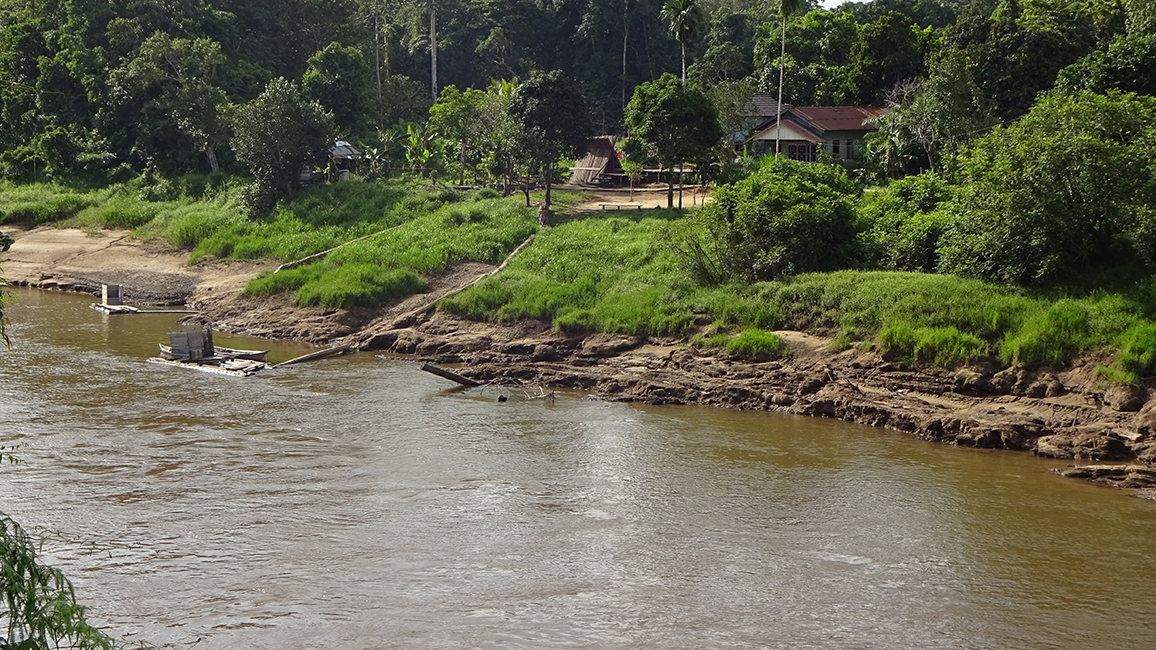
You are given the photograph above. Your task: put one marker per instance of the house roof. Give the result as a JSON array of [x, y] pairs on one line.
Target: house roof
[[343, 149], [788, 129], [600, 158], [838, 118], [762, 106]]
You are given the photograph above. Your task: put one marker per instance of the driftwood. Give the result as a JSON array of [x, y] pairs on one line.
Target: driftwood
[[320, 354], [452, 376]]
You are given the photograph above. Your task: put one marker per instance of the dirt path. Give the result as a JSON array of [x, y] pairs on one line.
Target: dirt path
[[609, 200]]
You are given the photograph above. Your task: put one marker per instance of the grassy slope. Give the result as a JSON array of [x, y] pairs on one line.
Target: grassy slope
[[614, 275]]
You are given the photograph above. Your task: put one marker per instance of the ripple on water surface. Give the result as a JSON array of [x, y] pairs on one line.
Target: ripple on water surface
[[360, 503]]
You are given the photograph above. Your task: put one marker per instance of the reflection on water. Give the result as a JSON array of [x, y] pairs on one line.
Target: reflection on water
[[360, 503]]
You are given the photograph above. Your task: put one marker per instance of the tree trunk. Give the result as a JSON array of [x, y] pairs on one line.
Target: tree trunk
[[214, 166], [377, 66], [779, 107], [670, 186], [683, 64], [549, 172], [433, 52], [625, 33], [680, 168]]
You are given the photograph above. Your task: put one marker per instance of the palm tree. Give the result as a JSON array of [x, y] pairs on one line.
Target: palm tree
[[685, 19], [787, 8]]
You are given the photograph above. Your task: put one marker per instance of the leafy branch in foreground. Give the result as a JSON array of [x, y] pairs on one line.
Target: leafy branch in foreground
[[39, 605]]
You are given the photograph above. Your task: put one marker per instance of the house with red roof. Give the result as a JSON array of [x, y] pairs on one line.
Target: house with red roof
[[803, 130]]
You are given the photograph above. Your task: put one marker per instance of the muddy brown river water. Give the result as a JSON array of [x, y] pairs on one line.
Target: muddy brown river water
[[360, 503]]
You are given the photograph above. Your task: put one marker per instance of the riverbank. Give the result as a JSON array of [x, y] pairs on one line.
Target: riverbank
[[1060, 413]]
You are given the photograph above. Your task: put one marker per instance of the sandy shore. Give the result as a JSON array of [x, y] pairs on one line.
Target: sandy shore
[[1059, 413]]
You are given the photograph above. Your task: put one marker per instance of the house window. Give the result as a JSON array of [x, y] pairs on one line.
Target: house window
[[835, 148], [804, 151]]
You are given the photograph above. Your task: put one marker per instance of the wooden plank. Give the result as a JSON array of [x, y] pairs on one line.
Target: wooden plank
[[320, 354], [452, 376], [204, 367]]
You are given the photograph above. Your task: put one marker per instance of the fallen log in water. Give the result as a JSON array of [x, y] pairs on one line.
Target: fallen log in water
[[320, 354], [452, 376]]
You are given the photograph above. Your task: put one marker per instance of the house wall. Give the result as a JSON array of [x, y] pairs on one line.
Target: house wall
[[851, 145]]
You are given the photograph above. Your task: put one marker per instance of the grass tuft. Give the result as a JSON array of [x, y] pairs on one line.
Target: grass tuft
[[756, 345]]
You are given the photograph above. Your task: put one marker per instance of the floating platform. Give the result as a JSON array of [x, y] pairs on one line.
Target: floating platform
[[127, 309], [232, 368]]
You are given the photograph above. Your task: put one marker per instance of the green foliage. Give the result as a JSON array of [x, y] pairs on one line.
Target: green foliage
[[1112, 375], [1129, 64], [900, 226], [338, 80], [40, 609], [1138, 349], [553, 120], [678, 123], [39, 204], [277, 135], [430, 234], [359, 285], [635, 287], [1051, 336], [756, 345], [791, 217], [1064, 188], [684, 19]]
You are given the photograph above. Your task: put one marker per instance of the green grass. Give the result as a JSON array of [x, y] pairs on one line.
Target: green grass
[[41, 203], [756, 345], [388, 265], [589, 275], [617, 275]]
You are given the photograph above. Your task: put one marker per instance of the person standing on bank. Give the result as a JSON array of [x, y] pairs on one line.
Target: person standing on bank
[[543, 215]]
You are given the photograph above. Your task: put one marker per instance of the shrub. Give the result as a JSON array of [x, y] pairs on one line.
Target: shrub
[[789, 218], [1055, 191], [901, 226]]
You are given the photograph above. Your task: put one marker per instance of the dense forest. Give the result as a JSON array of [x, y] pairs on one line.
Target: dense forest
[[102, 89]]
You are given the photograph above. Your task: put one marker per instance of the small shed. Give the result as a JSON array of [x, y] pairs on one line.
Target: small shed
[[600, 165]]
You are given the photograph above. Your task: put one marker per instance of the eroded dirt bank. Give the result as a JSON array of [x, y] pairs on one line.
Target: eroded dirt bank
[[1058, 413]]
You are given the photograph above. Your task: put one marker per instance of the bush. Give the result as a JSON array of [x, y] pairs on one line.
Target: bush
[[1056, 191], [901, 226], [789, 218], [756, 345]]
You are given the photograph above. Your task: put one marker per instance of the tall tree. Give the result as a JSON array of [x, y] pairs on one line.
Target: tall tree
[[553, 114], [678, 123], [338, 79], [684, 19], [787, 8], [277, 135]]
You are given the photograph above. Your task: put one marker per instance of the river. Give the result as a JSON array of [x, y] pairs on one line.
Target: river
[[358, 502]]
